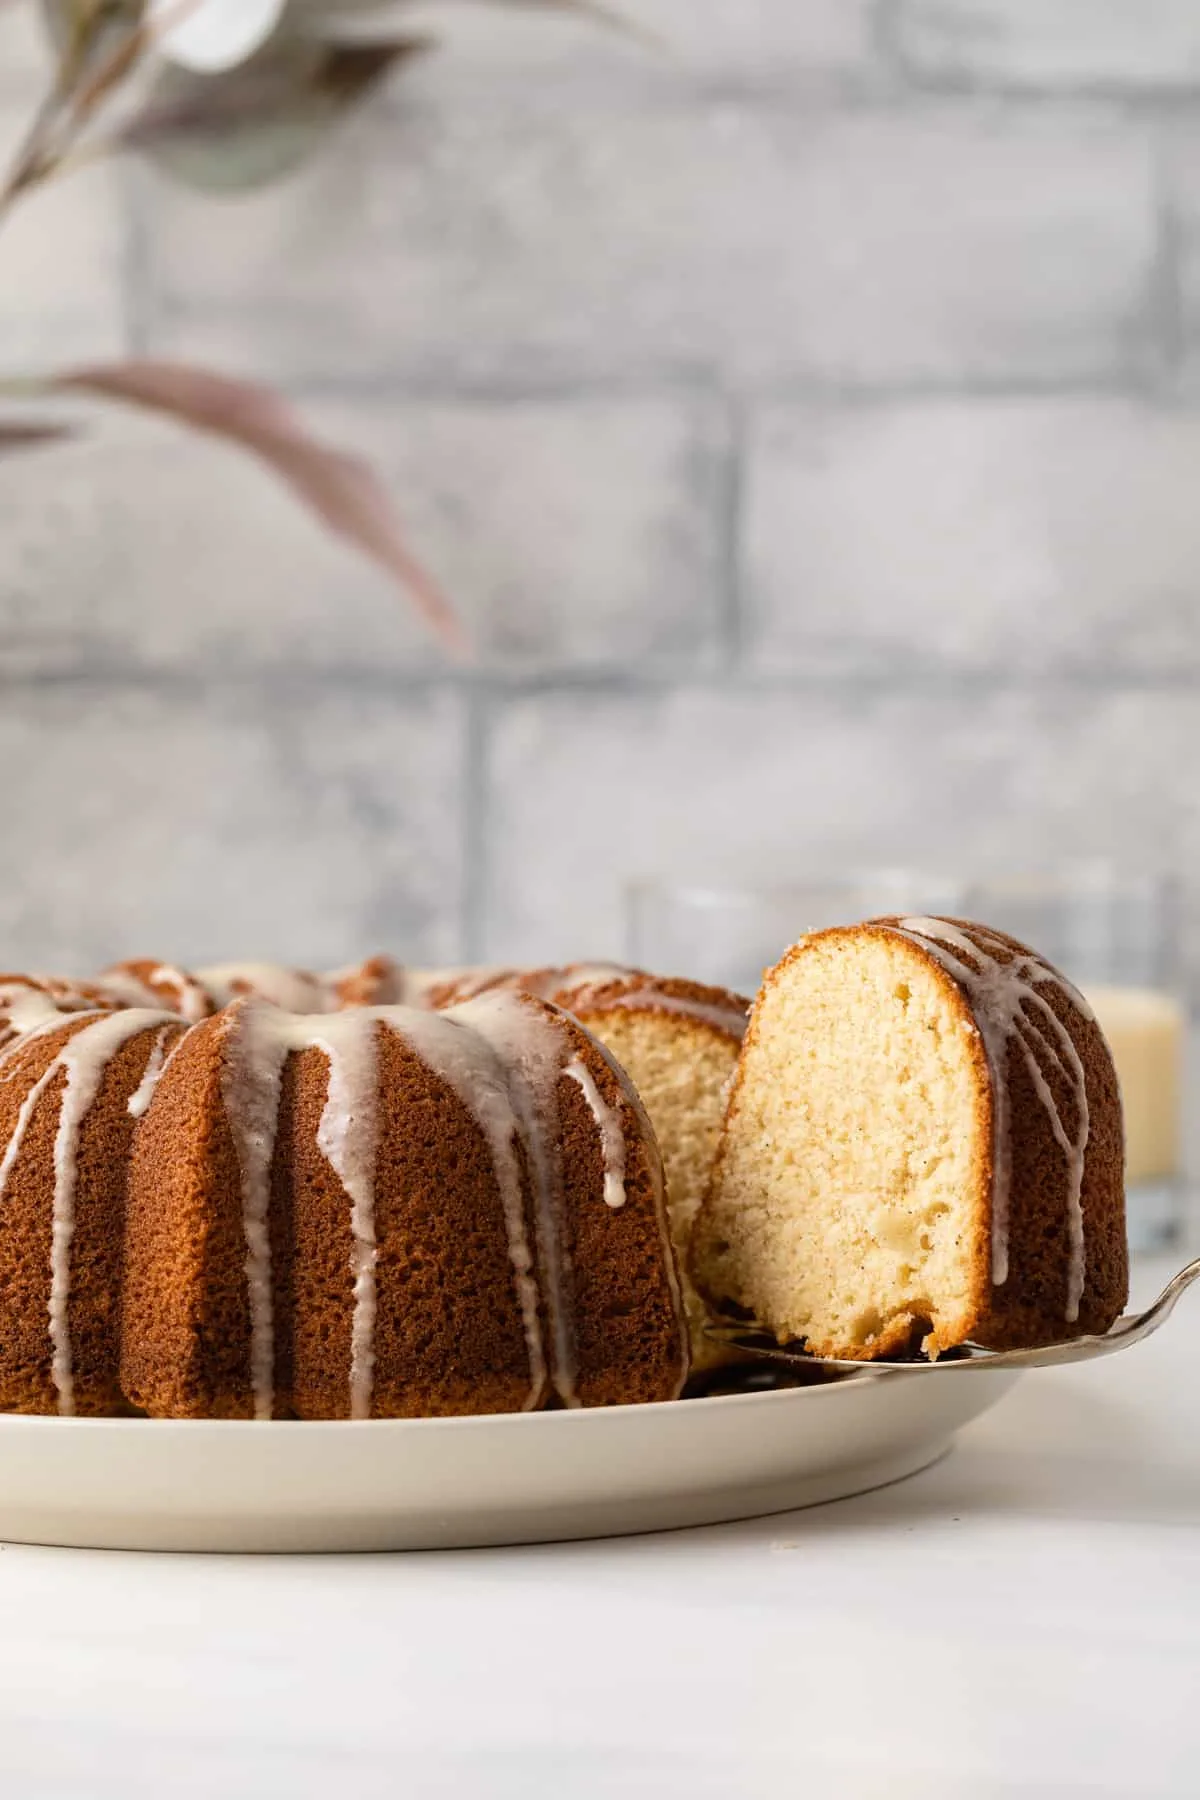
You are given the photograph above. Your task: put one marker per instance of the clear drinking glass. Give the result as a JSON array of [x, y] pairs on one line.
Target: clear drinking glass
[[729, 935], [1117, 936]]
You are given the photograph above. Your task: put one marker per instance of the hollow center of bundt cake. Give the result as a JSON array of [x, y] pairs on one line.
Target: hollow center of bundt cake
[[860, 1161]]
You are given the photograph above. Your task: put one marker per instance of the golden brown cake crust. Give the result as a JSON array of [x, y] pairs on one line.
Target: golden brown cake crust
[[22, 995], [448, 1335], [95, 1260], [164, 984], [589, 989], [186, 1314], [678, 1041], [630, 1333], [715, 1009], [377, 982], [1031, 1304], [164, 1311]]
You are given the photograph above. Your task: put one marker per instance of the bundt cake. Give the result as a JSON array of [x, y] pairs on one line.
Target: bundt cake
[[27, 1001], [370, 1212], [923, 1146], [678, 1042], [198, 993]]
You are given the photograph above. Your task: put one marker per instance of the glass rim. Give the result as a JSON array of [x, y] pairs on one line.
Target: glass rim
[[1083, 876], [753, 893], [1079, 878]]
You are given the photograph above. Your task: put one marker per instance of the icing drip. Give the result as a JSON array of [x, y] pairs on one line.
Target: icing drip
[[502, 1055], [573, 977], [257, 1044], [347, 1137], [468, 1064], [294, 990], [260, 1038], [84, 1058], [578, 987], [37, 1002], [23, 1012], [422, 987], [13, 1147], [536, 1047], [157, 1061], [127, 989], [1009, 1008], [612, 1138], [191, 998]]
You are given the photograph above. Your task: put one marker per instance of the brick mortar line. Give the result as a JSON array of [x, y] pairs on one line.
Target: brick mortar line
[[659, 384], [496, 689], [897, 87], [889, 32]]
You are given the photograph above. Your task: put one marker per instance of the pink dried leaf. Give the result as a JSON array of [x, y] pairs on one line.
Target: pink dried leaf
[[340, 489]]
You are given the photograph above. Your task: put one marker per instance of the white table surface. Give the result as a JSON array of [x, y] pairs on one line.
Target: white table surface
[[1023, 1619]]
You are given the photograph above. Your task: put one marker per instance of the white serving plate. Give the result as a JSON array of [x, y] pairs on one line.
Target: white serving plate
[[406, 1484]]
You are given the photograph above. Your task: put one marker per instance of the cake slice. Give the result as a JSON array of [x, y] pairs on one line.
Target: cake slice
[[923, 1146], [678, 1042]]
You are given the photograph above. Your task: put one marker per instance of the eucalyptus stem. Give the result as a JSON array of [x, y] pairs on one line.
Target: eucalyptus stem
[[83, 80]]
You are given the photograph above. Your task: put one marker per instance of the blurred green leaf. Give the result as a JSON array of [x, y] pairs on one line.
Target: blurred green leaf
[[248, 126]]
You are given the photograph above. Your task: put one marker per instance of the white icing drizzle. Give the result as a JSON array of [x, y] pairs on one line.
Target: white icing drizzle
[[13, 1147], [259, 1039], [126, 988], [1002, 997], [22, 1010], [536, 1048], [157, 1061], [662, 1218], [465, 1060], [580, 988], [612, 1138], [36, 1002], [256, 1048], [574, 976], [294, 990], [460, 982], [501, 1054], [84, 1057], [347, 1136], [190, 993]]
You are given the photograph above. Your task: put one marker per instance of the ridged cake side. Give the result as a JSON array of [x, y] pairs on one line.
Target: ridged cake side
[[66, 1131], [386, 1212]]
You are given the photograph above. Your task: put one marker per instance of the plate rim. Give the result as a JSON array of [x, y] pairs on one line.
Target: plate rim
[[540, 1420]]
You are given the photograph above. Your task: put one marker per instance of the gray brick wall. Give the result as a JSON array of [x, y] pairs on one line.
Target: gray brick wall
[[804, 417]]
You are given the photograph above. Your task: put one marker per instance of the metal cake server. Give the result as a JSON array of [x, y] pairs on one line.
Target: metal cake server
[[1129, 1329]]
